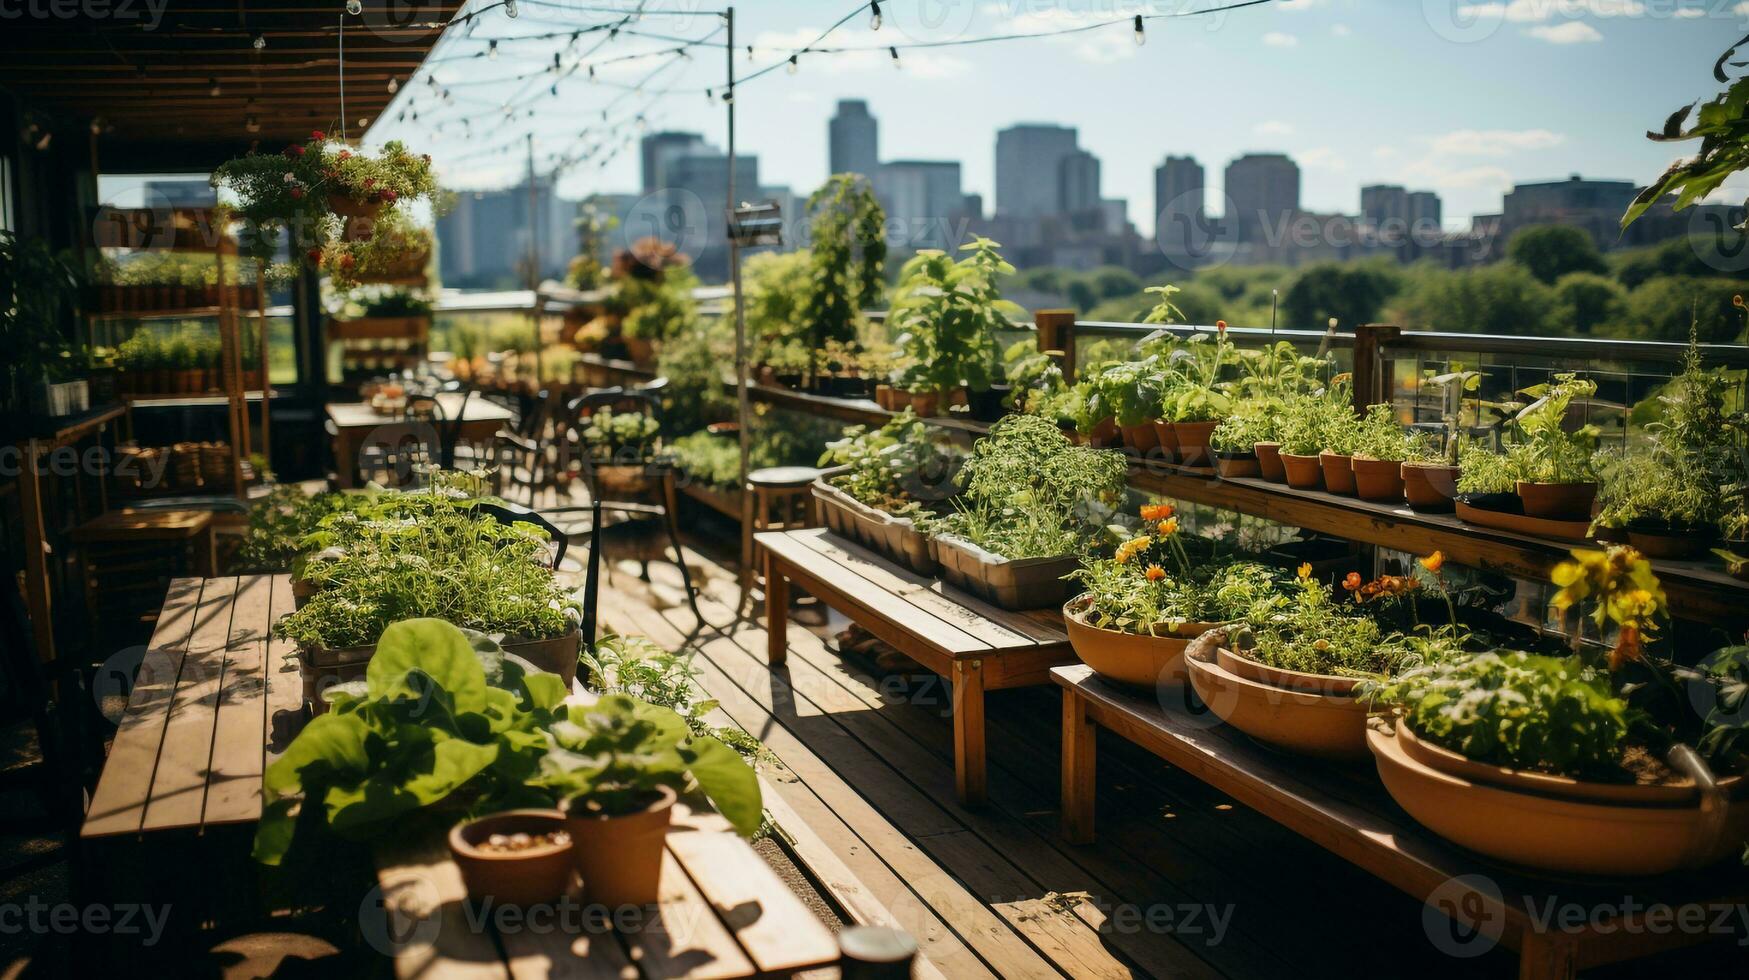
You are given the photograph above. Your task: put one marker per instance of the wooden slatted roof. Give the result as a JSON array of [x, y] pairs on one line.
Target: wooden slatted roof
[[179, 80]]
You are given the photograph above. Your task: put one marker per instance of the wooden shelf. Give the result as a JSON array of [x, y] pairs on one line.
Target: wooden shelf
[[188, 401], [52, 432]]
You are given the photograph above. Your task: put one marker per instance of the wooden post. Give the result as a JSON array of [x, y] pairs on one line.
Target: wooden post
[[1370, 384], [968, 731], [1056, 331], [776, 612], [1079, 741]]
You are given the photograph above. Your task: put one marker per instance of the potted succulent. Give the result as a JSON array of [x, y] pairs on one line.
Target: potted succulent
[[1147, 601], [947, 314], [618, 766], [883, 482], [1031, 503], [1381, 450], [1430, 484], [1590, 764]]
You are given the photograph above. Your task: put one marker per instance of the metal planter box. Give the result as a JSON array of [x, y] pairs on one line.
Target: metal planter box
[[1011, 583], [896, 538]]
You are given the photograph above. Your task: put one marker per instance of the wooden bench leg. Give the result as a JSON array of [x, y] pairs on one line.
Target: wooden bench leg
[[968, 730], [1543, 956], [1080, 736], [776, 613]]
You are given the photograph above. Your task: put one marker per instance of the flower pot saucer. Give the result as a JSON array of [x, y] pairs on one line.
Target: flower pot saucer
[[1519, 523]]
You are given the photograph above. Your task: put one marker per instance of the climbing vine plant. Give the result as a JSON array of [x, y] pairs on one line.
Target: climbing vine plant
[[847, 257]]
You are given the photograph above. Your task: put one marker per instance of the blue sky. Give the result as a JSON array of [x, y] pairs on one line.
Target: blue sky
[[1459, 96]]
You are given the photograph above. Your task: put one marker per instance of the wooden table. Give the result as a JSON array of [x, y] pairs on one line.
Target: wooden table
[[1347, 811], [722, 913], [355, 422], [975, 646]]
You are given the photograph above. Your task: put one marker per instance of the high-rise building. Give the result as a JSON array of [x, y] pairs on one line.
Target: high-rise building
[[1381, 203], [1078, 183], [1178, 197], [1114, 214], [1263, 191], [701, 180], [1029, 160], [1426, 217], [659, 149], [1595, 206], [485, 238], [853, 139], [924, 197]]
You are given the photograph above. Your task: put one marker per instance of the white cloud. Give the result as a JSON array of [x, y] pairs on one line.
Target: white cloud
[[1741, 9], [1341, 30], [1384, 152], [1321, 158], [1273, 127], [1494, 142], [1279, 39], [1296, 4], [1540, 11], [1570, 32], [1099, 47]]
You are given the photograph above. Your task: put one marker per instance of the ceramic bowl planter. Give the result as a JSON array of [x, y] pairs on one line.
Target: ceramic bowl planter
[[1193, 442], [1129, 658], [927, 404], [1554, 824], [1378, 479], [1011, 583], [1318, 723], [1557, 501], [620, 857], [358, 219], [1303, 472], [1269, 461], [538, 873], [1429, 487], [1230, 465], [1338, 472], [1167, 439]]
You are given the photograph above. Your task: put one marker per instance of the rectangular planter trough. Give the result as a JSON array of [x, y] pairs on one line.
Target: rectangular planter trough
[[1011, 583], [896, 538]]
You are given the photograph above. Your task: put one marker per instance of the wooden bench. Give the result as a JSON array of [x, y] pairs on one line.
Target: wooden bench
[[1347, 811], [723, 913], [975, 646]]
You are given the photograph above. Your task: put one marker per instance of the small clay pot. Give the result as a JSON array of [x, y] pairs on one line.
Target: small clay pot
[[925, 403], [1671, 544], [620, 857], [1269, 461], [1141, 438], [1230, 465], [1557, 501], [1303, 472], [1378, 479], [1429, 486], [1193, 442], [1168, 440], [536, 876], [1105, 433], [884, 397], [1338, 472]]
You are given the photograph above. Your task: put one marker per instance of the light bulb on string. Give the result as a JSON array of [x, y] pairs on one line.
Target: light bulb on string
[[895, 53], [874, 16], [591, 73], [729, 96], [1141, 34], [794, 65], [259, 41], [749, 52], [492, 50], [394, 85], [251, 124], [354, 7], [510, 10], [215, 90]]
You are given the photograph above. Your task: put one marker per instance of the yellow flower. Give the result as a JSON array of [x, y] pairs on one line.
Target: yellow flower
[[1433, 562], [1169, 526], [1627, 595], [1305, 570], [1129, 548]]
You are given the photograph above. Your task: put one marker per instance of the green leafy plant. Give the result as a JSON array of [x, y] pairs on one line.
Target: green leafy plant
[[1249, 423], [1151, 583], [1378, 435], [640, 668], [621, 438], [444, 724], [947, 314], [847, 252], [1195, 387], [1307, 630], [1130, 391], [1310, 423], [905, 466], [1721, 126], [1028, 492], [40, 287]]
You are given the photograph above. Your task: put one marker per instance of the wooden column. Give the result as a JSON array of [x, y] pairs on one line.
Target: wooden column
[[1080, 739], [968, 731], [1370, 379], [1056, 331]]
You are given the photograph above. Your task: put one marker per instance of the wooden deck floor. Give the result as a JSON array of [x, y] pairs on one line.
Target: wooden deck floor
[[1182, 883]]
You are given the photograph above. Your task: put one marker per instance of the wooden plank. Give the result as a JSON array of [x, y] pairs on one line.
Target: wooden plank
[[119, 804], [774, 928], [284, 713], [179, 782], [808, 566], [422, 895], [233, 793], [685, 938]]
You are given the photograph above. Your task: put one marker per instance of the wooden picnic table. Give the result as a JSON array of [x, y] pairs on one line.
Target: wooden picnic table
[[354, 422], [1347, 811], [972, 644]]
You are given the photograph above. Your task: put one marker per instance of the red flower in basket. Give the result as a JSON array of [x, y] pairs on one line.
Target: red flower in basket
[[318, 135], [390, 196], [294, 151], [344, 155], [369, 182], [347, 261]]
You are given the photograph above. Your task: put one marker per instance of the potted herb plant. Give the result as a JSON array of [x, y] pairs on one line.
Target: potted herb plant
[[1236, 439], [1381, 448], [1430, 484], [884, 481], [1341, 434], [1590, 764], [1147, 601], [618, 765], [1553, 467], [1129, 392], [1031, 502], [623, 448], [1304, 422], [947, 314], [1196, 396]]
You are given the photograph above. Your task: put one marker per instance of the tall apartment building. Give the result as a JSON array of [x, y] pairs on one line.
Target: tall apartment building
[[853, 139], [1263, 193]]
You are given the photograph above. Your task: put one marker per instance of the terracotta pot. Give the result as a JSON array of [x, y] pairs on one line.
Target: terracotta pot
[[1550, 832], [1559, 501], [1338, 472], [925, 404], [1303, 472], [1229, 465], [536, 876], [1168, 440], [1429, 486], [358, 219], [884, 397], [620, 857], [1105, 433], [1378, 479], [1321, 725], [1141, 438], [1129, 658], [1671, 544], [1269, 461], [1193, 442]]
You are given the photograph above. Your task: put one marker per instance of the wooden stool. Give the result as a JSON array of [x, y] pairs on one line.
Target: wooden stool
[[776, 498]]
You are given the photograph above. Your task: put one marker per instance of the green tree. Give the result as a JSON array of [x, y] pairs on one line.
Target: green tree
[[1497, 299], [1663, 309], [848, 252], [1111, 282], [1700, 255], [1552, 251], [1585, 299], [1353, 293]]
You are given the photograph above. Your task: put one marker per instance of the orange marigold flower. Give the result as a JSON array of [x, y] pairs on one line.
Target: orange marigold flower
[[1129, 548], [1155, 573], [1352, 581], [1169, 526], [1157, 512], [1434, 562], [1627, 647]]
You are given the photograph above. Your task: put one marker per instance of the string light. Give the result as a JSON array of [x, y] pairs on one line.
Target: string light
[[251, 124], [394, 85], [1141, 34], [895, 53], [354, 7], [794, 65], [492, 50], [510, 9], [215, 90], [874, 17], [749, 52], [259, 41]]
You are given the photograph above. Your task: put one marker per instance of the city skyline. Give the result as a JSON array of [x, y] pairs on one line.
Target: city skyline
[[1464, 113]]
